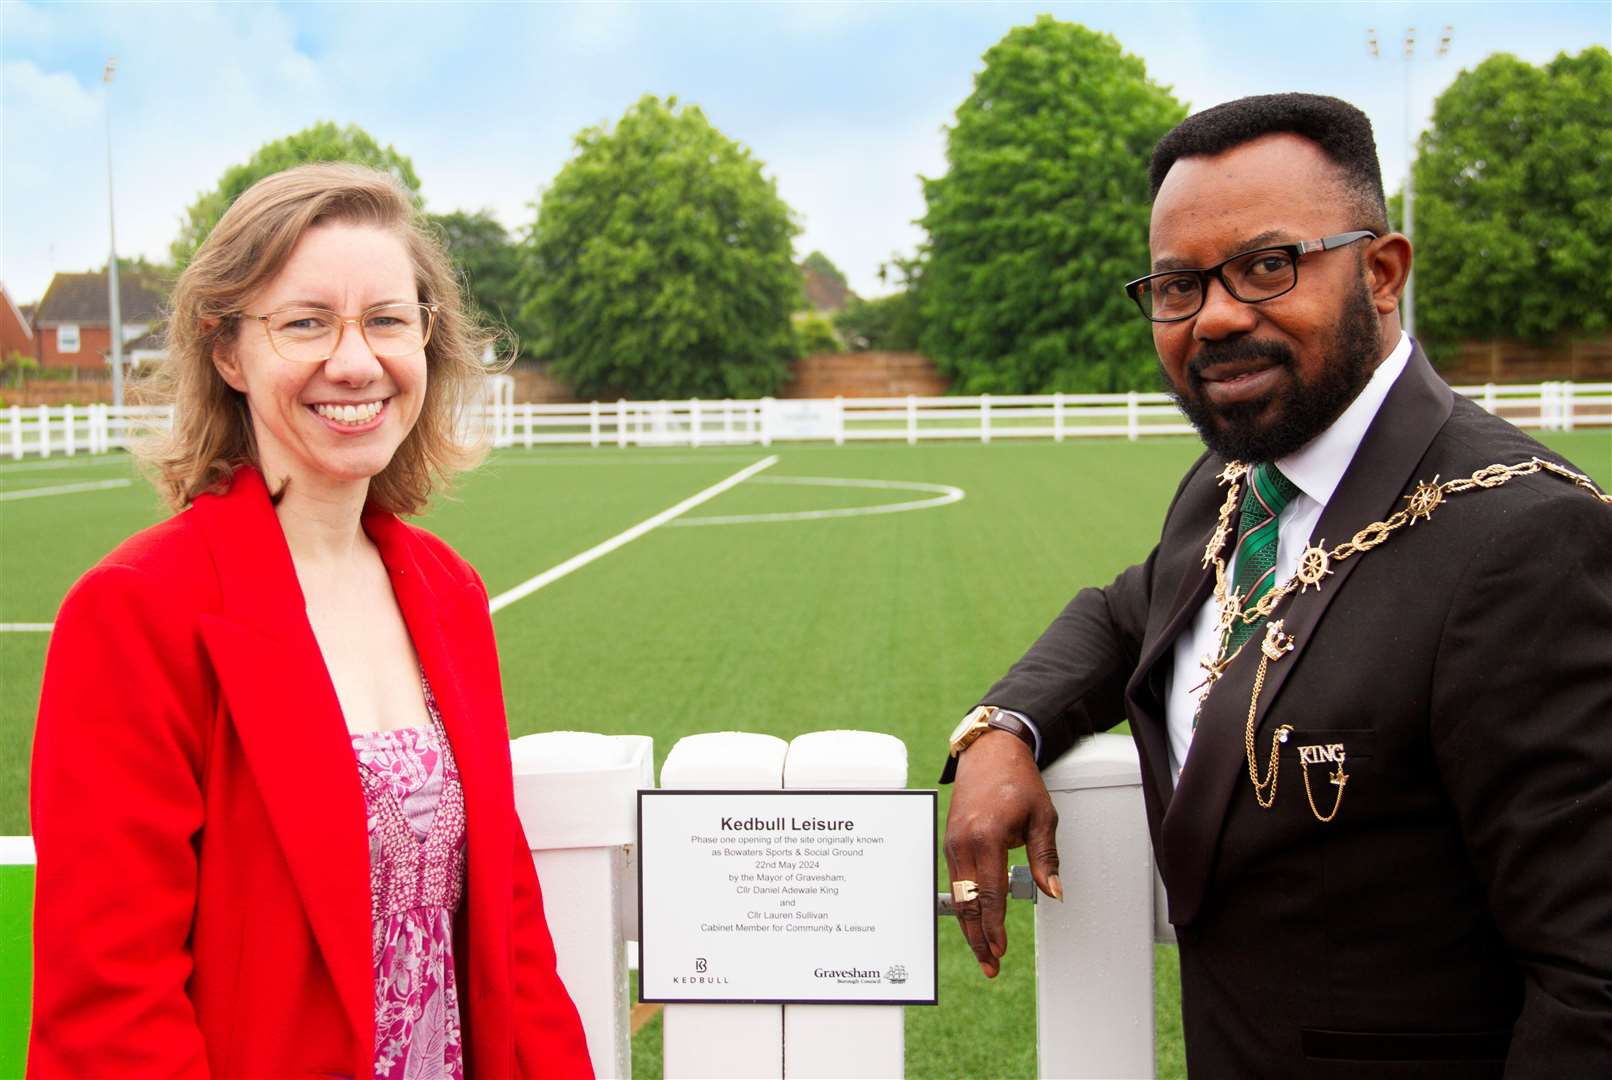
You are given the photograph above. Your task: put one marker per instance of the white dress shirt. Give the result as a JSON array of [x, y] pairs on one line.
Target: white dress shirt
[[1315, 469]]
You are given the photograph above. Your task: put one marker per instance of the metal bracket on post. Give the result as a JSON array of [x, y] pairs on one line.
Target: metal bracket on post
[[1021, 886]]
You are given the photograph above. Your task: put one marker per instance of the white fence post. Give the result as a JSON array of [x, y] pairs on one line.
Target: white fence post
[[1133, 418], [761, 420], [1567, 406], [912, 420], [1057, 418], [16, 433], [44, 431], [839, 420], [694, 421], [1094, 951], [621, 422], [845, 1040], [69, 437], [1488, 398], [724, 1040], [577, 797], [985, 419]]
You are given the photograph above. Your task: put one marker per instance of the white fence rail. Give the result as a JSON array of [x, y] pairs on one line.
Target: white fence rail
[[43, 431]]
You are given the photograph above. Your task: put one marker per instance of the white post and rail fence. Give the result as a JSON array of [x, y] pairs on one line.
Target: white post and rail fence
[[43, 431], [578, 798]]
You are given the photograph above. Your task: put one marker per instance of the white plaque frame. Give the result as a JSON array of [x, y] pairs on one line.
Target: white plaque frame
[[742, 965]]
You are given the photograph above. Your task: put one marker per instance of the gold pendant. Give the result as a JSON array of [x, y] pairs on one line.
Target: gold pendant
[[1276, 644], [1314, 565], [1233, 472], [1421, 503]]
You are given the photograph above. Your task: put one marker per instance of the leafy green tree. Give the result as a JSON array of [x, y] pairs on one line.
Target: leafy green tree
[[660, 263], [489, 260], [323, 141], [1513, 212], [1042, 217], [815, 334], [891, 323]]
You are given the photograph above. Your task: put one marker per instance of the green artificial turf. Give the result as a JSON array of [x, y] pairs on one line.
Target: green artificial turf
[[893, 623]]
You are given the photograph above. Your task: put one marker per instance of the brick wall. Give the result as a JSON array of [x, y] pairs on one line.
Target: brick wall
[[865, 374], [1518, 362]]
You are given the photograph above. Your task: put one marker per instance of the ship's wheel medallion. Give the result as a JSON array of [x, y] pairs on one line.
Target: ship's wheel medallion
[[1314, 565], [1421, 503]]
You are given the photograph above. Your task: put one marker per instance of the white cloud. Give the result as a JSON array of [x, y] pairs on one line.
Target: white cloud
[[53, 97]]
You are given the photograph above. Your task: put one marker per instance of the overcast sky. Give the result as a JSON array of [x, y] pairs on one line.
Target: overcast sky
[[845, 104]]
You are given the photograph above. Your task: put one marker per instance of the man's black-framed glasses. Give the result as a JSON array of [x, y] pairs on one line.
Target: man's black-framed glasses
[[1251, 276]]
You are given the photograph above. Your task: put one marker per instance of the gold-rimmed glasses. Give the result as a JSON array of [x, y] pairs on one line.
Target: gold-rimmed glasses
[[311, 335]]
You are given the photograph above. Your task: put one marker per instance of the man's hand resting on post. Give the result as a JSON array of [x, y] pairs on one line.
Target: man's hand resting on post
[[998, 802]]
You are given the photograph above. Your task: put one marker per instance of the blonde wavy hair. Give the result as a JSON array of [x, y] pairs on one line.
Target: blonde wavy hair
[[211, 435]]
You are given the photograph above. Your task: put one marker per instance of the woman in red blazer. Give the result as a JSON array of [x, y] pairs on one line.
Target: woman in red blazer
[[205, 844]]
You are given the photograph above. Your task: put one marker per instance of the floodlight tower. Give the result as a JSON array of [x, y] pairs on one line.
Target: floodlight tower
[[114, 299], [1408, 303]]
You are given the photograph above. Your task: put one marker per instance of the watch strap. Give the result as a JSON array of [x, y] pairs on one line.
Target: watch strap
[[1003, 720]]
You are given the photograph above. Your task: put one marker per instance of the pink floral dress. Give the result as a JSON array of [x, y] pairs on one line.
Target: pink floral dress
[[416, 822]]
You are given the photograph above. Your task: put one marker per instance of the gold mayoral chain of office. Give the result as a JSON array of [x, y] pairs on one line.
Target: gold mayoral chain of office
[[1315, 565]]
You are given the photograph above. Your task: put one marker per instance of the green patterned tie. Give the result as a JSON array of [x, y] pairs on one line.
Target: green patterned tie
[[1268, 492]]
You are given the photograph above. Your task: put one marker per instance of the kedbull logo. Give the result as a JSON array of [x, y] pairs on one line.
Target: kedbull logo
[[700, 976]]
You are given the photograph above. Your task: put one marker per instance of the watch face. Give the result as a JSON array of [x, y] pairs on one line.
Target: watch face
[[961, 729], [975, 719]]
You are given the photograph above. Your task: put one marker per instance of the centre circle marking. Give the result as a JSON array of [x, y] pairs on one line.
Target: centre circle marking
[[940, 495]]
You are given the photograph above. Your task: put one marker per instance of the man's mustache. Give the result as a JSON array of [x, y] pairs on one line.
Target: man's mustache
[[1239, 350]]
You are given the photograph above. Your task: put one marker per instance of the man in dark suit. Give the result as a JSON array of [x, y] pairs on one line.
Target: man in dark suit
[[1372, 696]]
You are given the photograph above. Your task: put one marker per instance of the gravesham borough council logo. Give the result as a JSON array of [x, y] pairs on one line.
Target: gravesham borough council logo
[[896, 973]]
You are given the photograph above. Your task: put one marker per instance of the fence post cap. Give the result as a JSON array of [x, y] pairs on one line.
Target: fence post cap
[[1098, 761], [725, 759], [848, 759]]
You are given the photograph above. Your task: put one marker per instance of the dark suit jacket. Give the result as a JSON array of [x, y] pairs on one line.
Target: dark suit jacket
[[1455, 918], [202, 901]]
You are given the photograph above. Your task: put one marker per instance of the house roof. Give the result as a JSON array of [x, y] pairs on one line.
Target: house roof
[[153, 340], [824, 293], [23, 315], [82, 298]]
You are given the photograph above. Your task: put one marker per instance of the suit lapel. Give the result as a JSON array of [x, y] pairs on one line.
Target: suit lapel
[[1147, 708], [1383, 466], [283, 708]]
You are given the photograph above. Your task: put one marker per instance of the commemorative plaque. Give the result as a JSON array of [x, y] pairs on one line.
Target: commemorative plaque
[[802, 897]]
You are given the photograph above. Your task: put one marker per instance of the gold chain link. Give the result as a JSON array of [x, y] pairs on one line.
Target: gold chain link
[[1314, 566]]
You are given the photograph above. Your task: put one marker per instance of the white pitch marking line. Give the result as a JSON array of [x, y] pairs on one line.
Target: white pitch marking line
[[64, 489], [947, 494], [577, 562], [75, 462], [25, 627]]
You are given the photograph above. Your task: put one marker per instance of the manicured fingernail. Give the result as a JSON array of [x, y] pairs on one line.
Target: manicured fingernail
[[998, 950], [985, 969], [1057, 888]]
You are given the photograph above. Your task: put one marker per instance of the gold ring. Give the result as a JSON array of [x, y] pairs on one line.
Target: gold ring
[[965, 890]]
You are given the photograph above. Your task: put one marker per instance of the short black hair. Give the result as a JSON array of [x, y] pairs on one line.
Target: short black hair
[[1341, 131]]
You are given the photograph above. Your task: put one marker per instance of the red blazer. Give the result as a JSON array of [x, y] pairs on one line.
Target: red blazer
[[202, 899]]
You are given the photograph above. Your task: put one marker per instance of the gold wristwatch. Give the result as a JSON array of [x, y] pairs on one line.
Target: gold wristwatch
[[983, 719]]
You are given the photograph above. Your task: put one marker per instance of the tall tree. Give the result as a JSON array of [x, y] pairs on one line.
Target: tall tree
[[323, 141], [490, 263], [1042, 217], [660, 263], [1514, 202]]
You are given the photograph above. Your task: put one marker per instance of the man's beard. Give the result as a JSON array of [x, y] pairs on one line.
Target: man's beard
[[1303, 410]]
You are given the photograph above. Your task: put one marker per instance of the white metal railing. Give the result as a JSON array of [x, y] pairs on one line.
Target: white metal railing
[[576, 794], [76, 429]]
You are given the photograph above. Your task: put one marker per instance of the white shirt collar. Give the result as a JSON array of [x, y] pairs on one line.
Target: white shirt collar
[[1318, 466]]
